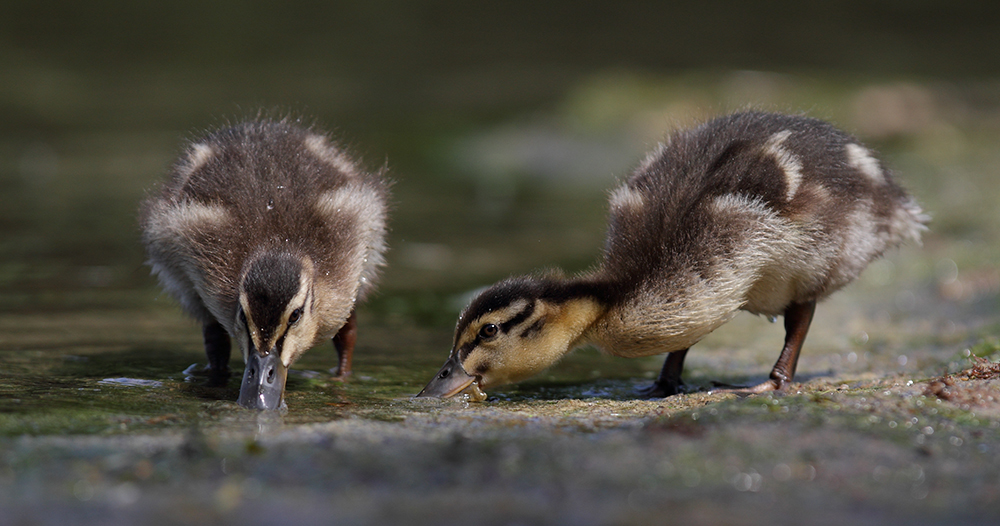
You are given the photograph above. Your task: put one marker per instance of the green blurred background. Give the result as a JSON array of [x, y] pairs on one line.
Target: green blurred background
[[502, 124], [464, 101]]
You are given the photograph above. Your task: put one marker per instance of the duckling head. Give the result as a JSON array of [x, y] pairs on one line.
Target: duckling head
[[275, 324], [512, 331]]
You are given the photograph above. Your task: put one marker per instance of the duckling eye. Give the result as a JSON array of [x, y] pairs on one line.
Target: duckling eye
[[293, 318], [488, 331]]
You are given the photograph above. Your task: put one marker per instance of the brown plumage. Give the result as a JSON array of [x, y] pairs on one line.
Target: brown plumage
[[762, 212], [267, 232]]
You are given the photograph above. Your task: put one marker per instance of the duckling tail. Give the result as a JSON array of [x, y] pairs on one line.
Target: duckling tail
[[908, 222]]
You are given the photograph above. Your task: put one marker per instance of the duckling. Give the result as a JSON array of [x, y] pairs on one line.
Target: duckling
[[266, 232], [753, 211]]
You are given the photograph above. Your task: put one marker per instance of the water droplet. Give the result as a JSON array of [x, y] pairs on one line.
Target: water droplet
[[743, 482], [781, 472], [83, 490], [947, 271], [270, 204], [691, 478]]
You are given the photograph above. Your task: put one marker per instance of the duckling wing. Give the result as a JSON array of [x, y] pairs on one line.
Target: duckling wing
[[185, 243]]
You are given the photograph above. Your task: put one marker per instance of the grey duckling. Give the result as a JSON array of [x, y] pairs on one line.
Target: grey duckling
[[761, 212], [267, 233]]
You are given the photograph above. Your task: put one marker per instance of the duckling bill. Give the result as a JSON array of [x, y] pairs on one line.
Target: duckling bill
[[754, 211], [267, 233]]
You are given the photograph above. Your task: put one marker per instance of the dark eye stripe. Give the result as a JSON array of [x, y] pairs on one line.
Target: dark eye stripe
[[464, 351], [518, 318], [534, 329], [506, 326], [246, 326], [280, 344]]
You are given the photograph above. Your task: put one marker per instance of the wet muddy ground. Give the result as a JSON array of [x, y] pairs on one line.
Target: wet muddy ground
[[839, 449], [895, 416], [895, 419]]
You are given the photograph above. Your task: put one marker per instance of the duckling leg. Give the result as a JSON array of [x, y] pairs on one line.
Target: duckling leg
[[669, 382], [344, 343], [798, 316], [217, 350]]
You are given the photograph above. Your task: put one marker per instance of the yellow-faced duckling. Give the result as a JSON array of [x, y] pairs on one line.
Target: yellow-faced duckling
[[760, 212], [267, 233]]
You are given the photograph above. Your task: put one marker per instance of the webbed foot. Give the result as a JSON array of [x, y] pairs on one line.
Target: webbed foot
[[669, 382]]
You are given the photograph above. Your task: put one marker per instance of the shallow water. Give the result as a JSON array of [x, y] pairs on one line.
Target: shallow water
[[498, 170], [76, 319]]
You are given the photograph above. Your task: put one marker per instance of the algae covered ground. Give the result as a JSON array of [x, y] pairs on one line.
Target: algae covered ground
[[501, 152], [863, 452]]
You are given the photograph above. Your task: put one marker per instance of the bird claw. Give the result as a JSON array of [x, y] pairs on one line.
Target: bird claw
[[339, 376], [767, 386], [213, 377], [658, 390]]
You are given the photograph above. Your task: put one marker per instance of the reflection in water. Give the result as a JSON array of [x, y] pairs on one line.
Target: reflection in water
[[130, 382]]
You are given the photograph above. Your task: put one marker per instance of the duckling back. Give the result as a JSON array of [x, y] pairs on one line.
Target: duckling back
[[750, 211]]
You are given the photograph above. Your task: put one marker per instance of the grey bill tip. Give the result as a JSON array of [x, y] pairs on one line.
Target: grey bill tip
[[449, 381], [263, 385]]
